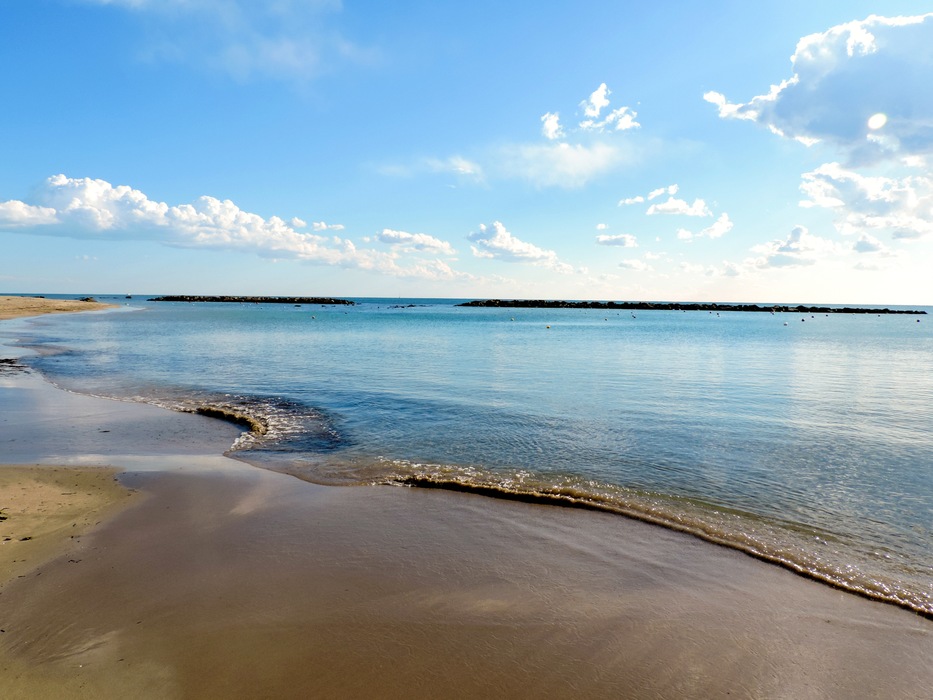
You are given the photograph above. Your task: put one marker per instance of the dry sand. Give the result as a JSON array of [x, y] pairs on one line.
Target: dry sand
[[14, 307], [225, 581]]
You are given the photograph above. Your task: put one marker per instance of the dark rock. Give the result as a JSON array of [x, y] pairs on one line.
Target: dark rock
[[676, 306], [255, 300]]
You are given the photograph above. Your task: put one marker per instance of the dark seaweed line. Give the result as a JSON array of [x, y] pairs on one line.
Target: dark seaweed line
[[567, 501], [678, 306]]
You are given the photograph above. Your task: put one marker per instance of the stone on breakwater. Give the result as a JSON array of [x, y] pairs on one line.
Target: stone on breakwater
[[256, 300], [677, 306]]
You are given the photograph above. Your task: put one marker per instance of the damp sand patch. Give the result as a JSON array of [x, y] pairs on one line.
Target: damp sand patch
[[45, 511]]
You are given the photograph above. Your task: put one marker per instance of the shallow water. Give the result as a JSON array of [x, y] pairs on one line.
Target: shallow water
[[808, 443]]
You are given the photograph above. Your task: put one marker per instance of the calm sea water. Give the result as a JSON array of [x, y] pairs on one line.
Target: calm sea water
[[803, 439]]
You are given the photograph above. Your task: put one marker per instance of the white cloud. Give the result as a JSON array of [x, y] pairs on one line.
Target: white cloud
[[282, 39], [902, 207], [496, 242], [730, 269], [416, 241], [596, 101], [680, 207], [15, 214], [846, 76], [623, 240], [870, 244], [550, 126], [83, 208], [560, 164], [635, 264], [456, 165], [620, 119], [800, 248], [721, 227], [654, 194], [323, 226], [463, 168], [559, 161], [602, 227], [670, 189]]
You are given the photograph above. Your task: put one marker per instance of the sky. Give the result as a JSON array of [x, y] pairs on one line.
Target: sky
[[700, 150]]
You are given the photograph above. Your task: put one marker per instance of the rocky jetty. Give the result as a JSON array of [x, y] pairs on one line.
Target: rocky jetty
[[257, 300], [678, 306]]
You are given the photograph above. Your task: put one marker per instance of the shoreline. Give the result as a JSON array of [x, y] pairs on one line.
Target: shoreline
[[225, 580]]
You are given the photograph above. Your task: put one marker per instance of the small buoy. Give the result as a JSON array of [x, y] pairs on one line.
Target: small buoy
[[802, 320], [547, 326], [785, 323]]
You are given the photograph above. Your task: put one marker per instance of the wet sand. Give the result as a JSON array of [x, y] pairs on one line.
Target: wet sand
[[44, 509], [220, 580]]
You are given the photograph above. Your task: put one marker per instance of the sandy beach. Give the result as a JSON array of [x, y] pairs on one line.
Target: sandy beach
[[193, 575], [14, 306]]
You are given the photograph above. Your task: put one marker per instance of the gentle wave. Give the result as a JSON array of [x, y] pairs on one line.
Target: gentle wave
[[299, 440], [807, 551], [803, 550]]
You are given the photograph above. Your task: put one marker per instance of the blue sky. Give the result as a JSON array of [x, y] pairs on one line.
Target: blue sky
[[714, 150]]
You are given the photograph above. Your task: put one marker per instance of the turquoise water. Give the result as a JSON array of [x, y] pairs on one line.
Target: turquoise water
[[802, 439]]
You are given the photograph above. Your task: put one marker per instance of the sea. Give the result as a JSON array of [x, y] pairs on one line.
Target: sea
[[803, 439]]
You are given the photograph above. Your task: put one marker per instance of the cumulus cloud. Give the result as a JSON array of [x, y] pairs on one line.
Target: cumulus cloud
[[15, 214], [670, 190], [621, 119], [635, 264], [870, 244], [862, 85], [320, 226], [901, 207], [680, 207], [95, 209], [496, 242], [568, 157], [628, 201], [550, 126], [799, 248], [623, 240], [416, 241], [719, 228], [597, 100]]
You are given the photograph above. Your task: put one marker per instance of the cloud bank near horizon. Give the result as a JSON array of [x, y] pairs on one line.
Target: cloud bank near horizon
[[92, 209]]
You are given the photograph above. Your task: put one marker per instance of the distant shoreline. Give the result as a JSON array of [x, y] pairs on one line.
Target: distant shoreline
[[679, 306]]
